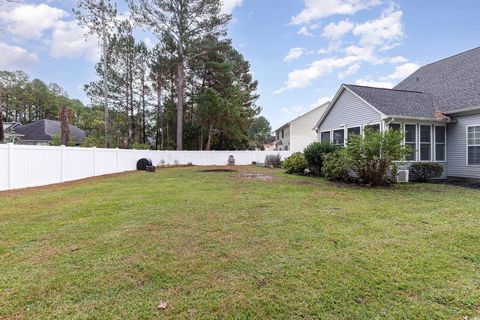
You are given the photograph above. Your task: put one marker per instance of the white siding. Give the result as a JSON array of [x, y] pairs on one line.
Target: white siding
[[457, 147], [302, 132], [351, 111]]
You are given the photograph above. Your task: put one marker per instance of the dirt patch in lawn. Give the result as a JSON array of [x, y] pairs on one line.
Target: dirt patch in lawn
[[259, 176], [218, 170]]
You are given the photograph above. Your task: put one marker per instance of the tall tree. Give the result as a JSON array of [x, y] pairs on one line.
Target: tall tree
[[98, 16], [185, 21]]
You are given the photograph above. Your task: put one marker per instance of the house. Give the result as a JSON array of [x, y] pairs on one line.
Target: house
[[438, 108], [297, 134], [42, 131], [8, 126]]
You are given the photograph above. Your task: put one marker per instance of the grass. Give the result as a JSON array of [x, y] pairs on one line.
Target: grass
[[218, 245]]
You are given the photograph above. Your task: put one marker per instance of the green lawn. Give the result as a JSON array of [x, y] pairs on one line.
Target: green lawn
[[219, 245]]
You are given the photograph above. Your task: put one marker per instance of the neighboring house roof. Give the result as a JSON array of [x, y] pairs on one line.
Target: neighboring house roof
[[323, 106], [10, 125], [399, 103], [454, 81], [44, 130]]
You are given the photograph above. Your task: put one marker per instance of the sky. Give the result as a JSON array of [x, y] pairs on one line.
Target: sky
[[300, 51]]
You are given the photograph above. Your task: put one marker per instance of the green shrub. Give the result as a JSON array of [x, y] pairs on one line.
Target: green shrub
[[296, 163], [140, 146], [425, 171], [337, 165], [314, 155], [373, 155], [273, 160]]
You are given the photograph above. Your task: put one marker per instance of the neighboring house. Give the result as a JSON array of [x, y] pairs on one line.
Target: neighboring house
[[297, 134], [7, 126], [438, 108], [41, 132]]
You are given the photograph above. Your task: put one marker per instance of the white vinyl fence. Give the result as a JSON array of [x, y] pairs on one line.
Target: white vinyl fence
[[23, 166]]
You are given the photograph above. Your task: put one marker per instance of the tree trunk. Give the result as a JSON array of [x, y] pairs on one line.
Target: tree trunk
[[210, 133], [144, 129], [180, 96], [64, 125], [105, 73]]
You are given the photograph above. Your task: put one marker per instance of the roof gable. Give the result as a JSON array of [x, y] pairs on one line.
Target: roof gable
[[45, 129]]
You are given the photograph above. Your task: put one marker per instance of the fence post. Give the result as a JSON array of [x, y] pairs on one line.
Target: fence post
[[116, 158], [10, 166], [94, 149], [62, 163]]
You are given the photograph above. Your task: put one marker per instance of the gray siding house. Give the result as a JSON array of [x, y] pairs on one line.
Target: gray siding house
[[438, 108]]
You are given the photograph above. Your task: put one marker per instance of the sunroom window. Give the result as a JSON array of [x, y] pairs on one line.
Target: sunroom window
[[339, 137], [473, 145], [355, 131], [373, 127], [440, 143], [325, 136], [425, 143], [411, 141]]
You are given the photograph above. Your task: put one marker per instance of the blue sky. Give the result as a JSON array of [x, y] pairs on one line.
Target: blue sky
[[300, 50]]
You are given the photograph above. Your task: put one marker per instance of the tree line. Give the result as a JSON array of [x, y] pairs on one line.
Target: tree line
[[191, 90]]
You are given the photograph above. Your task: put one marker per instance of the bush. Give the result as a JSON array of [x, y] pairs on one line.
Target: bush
[[337, 165], [314, 155], [296, 163], [425, 171], [373, 155], [273, 160]]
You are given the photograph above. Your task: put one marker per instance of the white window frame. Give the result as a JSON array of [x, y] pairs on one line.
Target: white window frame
[[359, 127], [330, 131], [445, 143], [420, 142], [468, 145], [417, 138], [372, 124], [344, 138]]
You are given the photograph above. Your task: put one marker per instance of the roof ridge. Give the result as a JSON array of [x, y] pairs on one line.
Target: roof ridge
[[392, 89], [447, 58]]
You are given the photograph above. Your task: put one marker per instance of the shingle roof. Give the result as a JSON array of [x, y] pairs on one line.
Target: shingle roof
[[45, 129], [398, 102], [454, 81]]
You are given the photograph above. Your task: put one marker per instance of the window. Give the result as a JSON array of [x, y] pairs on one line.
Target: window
[[425, 143], [395, 126], [325, 136], [440, 142], [353, 131], [473, 145], [373, 127], [411, 141], [339, 137], [283, 134], [286, 148]]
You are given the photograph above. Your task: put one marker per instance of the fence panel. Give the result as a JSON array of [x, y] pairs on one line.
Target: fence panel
[[29, 166]]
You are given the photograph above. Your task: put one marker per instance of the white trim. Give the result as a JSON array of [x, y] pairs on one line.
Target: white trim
[[468, 145]]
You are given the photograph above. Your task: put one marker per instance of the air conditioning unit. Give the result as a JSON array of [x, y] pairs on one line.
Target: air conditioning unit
[[403, 176]]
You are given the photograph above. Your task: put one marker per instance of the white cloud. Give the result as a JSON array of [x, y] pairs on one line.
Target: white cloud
[[317, 9], [68, 40], [293, 54], [14, 57], [398, 59], [304, 31], [373, 83], [30, 21], [402, 71], [335, 31], [384, 32], [229, 5], [350, 71]]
